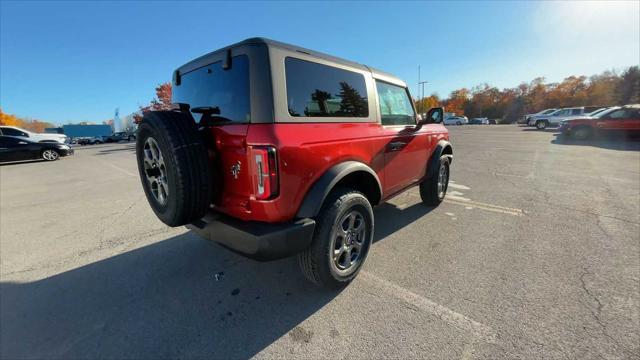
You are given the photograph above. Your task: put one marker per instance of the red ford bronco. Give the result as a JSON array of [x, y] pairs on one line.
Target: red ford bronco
[[275, 150]]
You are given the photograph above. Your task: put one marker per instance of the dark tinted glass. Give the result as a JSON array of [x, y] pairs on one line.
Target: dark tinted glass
[[224, 92], [13, 132], [324, 91]]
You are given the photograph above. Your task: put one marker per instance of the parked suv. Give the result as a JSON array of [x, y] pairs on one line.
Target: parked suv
[[275, 150], [527, 117], [542, 122]]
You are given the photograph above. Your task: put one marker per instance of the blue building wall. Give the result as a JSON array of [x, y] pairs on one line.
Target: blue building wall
[[57, 130], [86, 130]]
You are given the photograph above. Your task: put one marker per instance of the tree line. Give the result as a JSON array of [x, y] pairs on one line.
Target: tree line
[[606, 89], [25, 123]]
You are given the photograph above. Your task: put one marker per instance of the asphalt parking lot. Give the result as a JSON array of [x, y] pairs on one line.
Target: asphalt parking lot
[[534, 254]]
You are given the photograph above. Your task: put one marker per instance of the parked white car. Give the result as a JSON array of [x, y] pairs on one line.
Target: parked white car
[[456, 120], [35, 137]]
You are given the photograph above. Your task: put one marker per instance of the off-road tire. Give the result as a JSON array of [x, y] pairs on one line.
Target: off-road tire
[[185, 162], [541, 124], [429, 192], [316, 261]]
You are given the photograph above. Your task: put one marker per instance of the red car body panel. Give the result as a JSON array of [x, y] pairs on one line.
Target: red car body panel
[[631, 123], [305, 151]]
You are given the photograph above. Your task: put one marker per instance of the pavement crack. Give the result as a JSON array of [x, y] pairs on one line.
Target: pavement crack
[[598, 312]]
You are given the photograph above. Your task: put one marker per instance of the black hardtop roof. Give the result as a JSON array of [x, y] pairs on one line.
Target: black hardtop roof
[[292, 48]]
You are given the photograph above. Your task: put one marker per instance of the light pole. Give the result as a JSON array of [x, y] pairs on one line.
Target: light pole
[[422, 96]]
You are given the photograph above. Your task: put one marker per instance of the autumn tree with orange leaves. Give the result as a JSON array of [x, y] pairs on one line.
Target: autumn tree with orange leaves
[[162, 101], [27, 124], [606, 89]]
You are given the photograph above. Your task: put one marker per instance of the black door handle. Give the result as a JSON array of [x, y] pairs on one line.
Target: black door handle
[[395, 146]]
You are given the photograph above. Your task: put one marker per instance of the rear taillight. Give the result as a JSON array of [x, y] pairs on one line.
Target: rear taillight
[[265, 170]]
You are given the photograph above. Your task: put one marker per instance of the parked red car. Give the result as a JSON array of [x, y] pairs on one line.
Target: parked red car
[[276, 150], [624, 119]]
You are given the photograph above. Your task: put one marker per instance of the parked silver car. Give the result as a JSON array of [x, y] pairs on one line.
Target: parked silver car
[[544, 112], [542, 122]]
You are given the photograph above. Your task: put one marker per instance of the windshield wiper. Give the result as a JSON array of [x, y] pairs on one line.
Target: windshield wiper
[[210, 115]]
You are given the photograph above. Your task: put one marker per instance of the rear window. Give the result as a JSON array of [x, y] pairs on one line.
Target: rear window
[[224, 92], [324, 91]]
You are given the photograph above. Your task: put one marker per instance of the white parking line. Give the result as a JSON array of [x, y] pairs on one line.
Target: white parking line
[[484, 206], [445, 314]]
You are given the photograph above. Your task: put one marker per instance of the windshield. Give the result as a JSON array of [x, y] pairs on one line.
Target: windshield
[[596, 112], [606, 111], [547, 112]]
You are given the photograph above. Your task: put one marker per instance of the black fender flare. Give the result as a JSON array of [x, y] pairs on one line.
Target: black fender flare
[[322, 187], [442, 148]]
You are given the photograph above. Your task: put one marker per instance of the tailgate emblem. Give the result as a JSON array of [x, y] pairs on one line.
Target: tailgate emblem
[[235, 170]]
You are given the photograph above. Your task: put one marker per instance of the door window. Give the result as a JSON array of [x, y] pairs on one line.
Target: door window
[[619, 114], [395, 105], [316, 90], [576, 111], [13, 132]]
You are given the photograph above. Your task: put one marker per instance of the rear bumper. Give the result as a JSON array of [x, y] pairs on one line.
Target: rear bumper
[[256, 240]]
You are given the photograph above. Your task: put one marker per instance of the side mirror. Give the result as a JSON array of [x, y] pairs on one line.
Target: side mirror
[[418, 119], [434, 116]]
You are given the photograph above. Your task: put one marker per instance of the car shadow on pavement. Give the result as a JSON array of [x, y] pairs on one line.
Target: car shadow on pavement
[[534, 129], [612, 142], [130, 148], [390, 218], [21, 162], [182, 297]]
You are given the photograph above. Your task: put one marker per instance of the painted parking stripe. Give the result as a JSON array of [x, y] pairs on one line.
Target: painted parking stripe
[[480, 331], [484, 206]]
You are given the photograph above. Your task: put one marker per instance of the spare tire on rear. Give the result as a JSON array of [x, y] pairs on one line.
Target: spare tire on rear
[[173, 166]]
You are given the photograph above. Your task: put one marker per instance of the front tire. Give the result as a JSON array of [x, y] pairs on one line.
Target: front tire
[[541, 125], [50, 155], [433, 189], [582, 133], [341, 241]]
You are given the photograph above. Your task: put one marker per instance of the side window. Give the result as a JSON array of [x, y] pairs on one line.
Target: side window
[[395, 105], [576, 111], [13, 132], [324, 91], [618, 114]]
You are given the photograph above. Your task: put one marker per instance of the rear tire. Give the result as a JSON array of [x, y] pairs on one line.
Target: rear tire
[[173, 167], [434, 188], [341, 241]]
